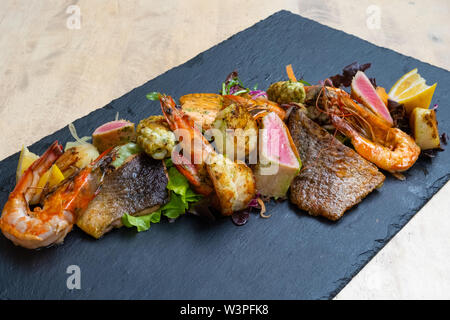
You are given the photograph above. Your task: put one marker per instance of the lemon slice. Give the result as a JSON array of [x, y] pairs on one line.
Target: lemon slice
[[412, 91], [26, 158]]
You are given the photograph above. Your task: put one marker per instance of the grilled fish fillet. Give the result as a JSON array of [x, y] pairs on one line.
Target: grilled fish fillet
[[137, 187], [334, 177]]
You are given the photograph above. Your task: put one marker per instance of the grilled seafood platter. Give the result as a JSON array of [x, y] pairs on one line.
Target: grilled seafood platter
[[324, 147]]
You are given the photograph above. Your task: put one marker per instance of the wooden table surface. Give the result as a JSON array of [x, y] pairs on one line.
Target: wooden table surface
[[54, 71]]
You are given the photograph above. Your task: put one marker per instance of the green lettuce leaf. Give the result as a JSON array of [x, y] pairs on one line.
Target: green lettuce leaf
[[175, 207], [141, 223], [177, 182], [181, 196]]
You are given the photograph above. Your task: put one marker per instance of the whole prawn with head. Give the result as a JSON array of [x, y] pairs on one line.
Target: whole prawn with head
[[49, 224], [373, 138], [206, 170]]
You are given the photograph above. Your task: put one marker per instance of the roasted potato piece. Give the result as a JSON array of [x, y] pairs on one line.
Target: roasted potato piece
[[202, 108], [76, 157], [237, 129], [424, 127], [233, 182]]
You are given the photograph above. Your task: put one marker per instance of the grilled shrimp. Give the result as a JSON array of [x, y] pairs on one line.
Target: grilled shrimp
[[398, 152], [232, 182], [372, 137], [44, 226]]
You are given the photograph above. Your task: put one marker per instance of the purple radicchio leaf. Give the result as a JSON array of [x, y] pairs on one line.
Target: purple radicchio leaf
[[345, 79]]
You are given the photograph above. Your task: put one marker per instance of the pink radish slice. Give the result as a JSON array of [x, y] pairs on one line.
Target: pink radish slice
[[364, 92]]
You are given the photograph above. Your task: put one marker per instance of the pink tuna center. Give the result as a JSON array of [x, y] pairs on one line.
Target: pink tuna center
[[368, 93], [278, 146], [111, 126]]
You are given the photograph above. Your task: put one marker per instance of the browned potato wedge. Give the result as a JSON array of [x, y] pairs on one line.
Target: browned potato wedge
[[424, 127], [238, 132]]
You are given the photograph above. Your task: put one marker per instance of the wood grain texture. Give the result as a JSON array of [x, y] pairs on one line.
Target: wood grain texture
[[52, 75]]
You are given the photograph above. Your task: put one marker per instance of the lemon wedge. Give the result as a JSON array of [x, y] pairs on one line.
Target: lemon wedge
[[56, 176], [49, 179], [26, 158], [52, 177], [412, 91]]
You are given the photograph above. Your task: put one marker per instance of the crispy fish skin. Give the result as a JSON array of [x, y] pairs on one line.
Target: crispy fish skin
[[334, 177], [137, 187]]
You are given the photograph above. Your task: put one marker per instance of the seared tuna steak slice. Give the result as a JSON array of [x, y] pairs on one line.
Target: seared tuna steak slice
[[364, 92], [278, 158], [114, 133]]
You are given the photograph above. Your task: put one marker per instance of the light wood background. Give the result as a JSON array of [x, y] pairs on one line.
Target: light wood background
[[52, 75]]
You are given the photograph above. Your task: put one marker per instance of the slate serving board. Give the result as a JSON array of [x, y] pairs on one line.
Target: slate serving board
[[289, 256]]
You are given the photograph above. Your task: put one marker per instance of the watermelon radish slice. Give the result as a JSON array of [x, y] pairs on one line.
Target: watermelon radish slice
[[114, 133], [279, 161], [364, 92]]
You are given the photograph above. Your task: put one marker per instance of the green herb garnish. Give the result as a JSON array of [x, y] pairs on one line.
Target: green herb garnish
[[304, 82], [153, 96], [226, 87]]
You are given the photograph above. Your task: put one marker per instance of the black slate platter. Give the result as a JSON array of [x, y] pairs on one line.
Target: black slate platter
[[289, 256]]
